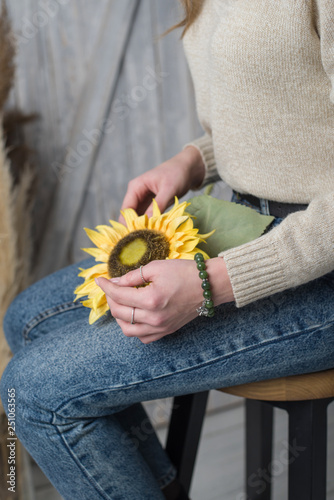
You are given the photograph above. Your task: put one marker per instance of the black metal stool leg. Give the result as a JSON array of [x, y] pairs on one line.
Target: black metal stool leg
[[259, 434], [307, 448], [184, 434]]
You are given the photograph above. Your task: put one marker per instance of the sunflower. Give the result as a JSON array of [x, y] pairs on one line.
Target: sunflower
[[120, 249]]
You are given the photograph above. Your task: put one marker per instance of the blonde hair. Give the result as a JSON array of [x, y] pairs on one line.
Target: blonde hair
[[192, 9]]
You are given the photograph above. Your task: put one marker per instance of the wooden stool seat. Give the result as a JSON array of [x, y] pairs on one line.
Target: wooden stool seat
[[318, 385]]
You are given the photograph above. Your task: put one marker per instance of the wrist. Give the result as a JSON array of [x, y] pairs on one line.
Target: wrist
[[193, 161], [221, 286]]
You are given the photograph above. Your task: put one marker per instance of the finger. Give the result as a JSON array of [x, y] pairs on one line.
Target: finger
[[131, 315], [138, 277], [131, 199], [138, 329], [123, 295], [139, 206], [163, 200], [138, 196]]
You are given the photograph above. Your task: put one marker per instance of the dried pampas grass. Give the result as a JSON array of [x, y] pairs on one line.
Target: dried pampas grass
[[15, 240], [15, 224], [15, 244], [8, 250], [16, 179], [9, 285]]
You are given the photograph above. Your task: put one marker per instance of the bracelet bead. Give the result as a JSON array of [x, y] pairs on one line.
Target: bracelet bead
[[205, 285], [199, 257], [207, 307], [201, 266]]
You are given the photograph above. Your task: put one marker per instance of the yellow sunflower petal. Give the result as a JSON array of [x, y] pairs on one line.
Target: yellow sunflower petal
[[99, 299], [206, 235], [186, 256], [154, 223], [141, 222], [97, 238], [87, 303], [156, 209], [174, 245], [173, 255], [110, 233], [96, 290], [181, 236], [189, 246], [173, 225], [130, 217], [100, 255], [95, 315], [86, 288], [188, 225], [120, 228], [178, 210], [97, 270]]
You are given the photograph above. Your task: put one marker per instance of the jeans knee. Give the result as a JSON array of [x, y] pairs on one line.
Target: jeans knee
[[14, 322], [6, 387], [21, 377], [20, 395]]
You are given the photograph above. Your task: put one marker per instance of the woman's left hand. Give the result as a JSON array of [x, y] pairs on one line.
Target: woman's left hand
[[168, 302]]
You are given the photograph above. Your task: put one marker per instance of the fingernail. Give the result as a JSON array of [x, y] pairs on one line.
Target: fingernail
[[97, 281], [114, 280]]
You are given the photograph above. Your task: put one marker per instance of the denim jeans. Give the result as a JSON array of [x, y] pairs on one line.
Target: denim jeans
[[79, 388]]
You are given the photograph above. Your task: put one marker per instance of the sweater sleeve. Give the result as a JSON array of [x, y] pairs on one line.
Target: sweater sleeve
[[205, 146], [301, 248]]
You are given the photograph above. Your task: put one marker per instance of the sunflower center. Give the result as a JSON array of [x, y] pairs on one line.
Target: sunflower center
[[137, 249], [132, 252]]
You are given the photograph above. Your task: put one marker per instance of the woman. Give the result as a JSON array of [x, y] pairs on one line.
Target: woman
[[263, 73]]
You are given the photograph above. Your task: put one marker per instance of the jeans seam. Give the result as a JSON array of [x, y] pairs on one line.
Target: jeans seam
[[162, 481], [206, 363], [80, 465], [48, 313]]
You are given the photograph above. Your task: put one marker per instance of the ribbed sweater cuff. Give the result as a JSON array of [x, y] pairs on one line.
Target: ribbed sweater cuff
[[205, 147], [255, 270]]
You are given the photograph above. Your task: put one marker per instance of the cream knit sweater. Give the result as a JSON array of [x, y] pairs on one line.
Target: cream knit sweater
[[263, 72]]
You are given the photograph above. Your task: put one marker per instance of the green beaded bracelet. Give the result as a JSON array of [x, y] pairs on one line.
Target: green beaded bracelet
[[207, 308]]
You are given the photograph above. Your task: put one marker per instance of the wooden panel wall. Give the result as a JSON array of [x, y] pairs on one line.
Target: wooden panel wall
[[113, 101], [113, 98]]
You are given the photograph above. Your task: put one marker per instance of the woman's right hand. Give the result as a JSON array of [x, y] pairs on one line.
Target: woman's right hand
[[172, 178]]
